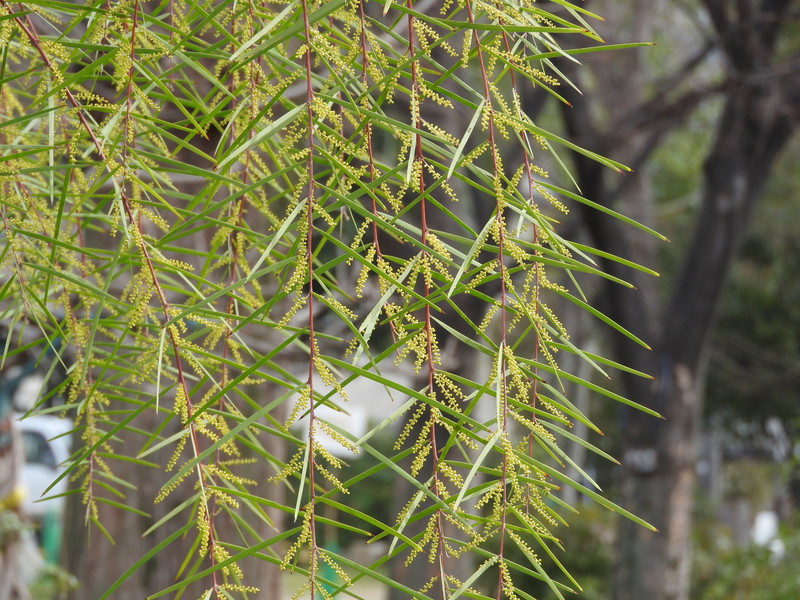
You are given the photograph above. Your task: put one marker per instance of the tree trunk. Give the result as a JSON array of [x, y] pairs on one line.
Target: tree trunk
[[97, 563], [659, 478], [13, 584], [756, 122]]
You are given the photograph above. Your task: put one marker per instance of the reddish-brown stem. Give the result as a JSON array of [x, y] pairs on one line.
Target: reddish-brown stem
[[370, 151], [30, 32], [429, 341], [129, 94], [254, 81], [368, 126], [495, 163], [312, 342], [526, 159], [501, 366], [234, 247]]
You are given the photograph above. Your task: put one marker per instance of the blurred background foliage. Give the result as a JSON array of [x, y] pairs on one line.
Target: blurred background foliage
[[747, 451]]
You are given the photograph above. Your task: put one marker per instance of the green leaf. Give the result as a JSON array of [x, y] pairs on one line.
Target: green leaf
[[267, 132]]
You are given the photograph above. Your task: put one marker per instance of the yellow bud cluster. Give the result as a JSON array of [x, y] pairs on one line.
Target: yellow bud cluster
[[409, 426], [221, 472], [300, 406], [292, 467], [214, 427], [328, 475], [551, 408], [488, 316], [415, 176], [328, 378], [451, 474], [231, 569], [466, 49], [7, 27], [507, 582], [426, 91], [535, 427], [176, 453], [517, 63], [228, 587], [559, 327], [303, 539], [297, 279], [363, 275], [181, 476], [429, 584], [451, 391], [416, 344], [338, 438], [555, 202], [427, 35], [518, 385], [203, 527], [422, 446], [429, 539], [492, 47], [394, 198], [181, 406]]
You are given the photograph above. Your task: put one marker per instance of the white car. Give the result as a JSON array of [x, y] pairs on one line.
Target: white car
[[46, 443]]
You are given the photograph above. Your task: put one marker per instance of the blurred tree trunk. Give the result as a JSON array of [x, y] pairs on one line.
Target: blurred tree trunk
[[758, 118], [660, 456], [12, 583], [97, 562]]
